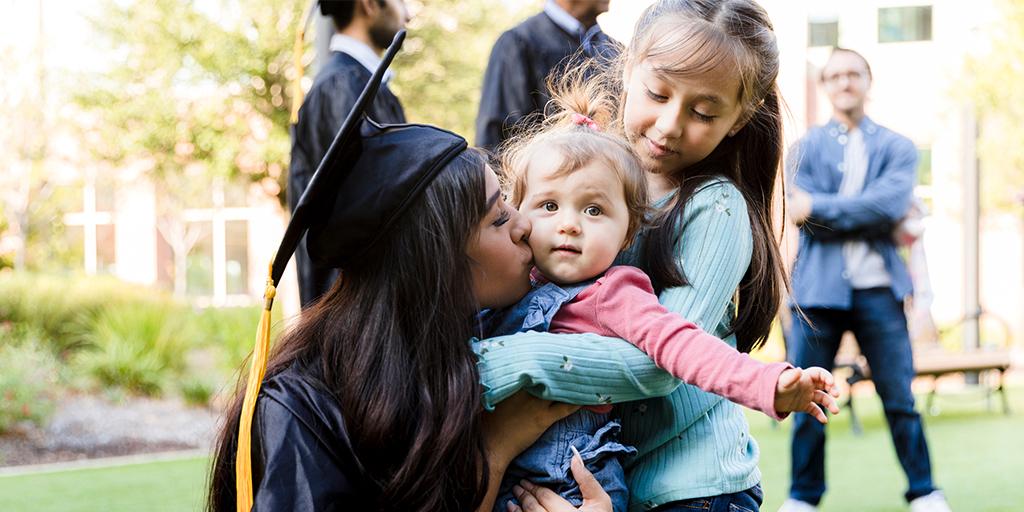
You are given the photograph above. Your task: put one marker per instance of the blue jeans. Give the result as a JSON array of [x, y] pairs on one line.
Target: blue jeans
[[743, 501], [877, 320]]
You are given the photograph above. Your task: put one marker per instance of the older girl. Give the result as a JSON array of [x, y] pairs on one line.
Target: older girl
[[700, 107]]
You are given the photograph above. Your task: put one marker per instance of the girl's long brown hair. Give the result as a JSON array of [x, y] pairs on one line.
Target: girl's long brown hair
[[703, 34], [389, 342]]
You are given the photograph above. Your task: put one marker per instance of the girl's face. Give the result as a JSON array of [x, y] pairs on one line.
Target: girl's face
[[500, 255], [673, 122]]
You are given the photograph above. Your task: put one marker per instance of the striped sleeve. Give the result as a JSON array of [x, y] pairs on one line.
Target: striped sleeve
[[714, 252], [583, 369]]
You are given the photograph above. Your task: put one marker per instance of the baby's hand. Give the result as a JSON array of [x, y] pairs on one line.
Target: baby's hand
[[802, 390]]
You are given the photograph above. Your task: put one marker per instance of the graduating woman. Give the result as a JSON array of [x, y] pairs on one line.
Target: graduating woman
[[372, 400]]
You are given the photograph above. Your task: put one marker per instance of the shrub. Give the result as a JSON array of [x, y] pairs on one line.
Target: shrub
[[28, 377], [197, 392], [138, 348], [230, 331], [63, 307]]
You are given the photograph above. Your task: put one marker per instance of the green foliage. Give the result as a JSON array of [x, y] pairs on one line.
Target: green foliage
[[197, 392], [991, 83], [441, 67], [231, 331], [126, 337], [195, 86], [138, 348], [62, 307], [28, 376]]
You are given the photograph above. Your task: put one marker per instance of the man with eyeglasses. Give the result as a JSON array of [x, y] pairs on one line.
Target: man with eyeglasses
[[851, 183]]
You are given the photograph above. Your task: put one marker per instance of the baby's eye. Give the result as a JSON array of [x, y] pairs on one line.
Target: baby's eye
[[549, 206], [592, 210]]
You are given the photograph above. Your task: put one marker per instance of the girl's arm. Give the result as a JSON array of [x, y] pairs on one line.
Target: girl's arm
[[622, 303], [582, 369], [714, 250]]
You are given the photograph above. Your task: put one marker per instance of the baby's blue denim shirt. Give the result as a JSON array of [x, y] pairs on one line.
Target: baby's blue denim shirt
[[595, 435]]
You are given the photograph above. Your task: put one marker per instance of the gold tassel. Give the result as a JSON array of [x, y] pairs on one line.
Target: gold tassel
[[243, 457]]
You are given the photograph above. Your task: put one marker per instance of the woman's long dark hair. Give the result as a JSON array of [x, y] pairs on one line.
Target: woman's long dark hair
[[389, 342], [714, 32]]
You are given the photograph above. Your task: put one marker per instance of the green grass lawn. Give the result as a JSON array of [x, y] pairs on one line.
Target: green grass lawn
[[978, 458], [154, 487]]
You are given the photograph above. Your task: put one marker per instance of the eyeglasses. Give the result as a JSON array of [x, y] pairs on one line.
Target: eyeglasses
[[850, 76]]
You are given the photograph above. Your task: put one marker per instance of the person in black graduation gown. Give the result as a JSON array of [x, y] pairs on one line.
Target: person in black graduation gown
[[371, 401], [514, 85], [364, 29]]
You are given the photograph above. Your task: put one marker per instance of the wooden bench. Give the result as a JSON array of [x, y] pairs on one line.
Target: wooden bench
[[930, 360]]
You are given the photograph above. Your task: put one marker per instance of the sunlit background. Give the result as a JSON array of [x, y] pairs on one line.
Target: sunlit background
[[144, 146]]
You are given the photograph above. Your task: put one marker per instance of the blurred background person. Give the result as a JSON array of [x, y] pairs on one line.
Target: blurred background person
[[515, 81], [853, 183], [365, 28]]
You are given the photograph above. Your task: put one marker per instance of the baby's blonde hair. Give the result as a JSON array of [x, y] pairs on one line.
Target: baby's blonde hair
[[580, 141]]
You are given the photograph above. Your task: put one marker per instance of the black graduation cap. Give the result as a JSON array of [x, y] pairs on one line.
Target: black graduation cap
[[368, 178]]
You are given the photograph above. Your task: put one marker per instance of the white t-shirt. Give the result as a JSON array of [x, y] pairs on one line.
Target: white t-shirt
[[864, 267]]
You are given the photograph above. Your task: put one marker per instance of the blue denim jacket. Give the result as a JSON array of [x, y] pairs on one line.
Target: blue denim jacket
[[594, 435], [815, 166]]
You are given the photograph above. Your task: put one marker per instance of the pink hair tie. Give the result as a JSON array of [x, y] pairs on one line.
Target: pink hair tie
[[582, 120]]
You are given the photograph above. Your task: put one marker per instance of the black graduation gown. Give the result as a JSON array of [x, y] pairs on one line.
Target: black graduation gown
[[515, 81], [302, 457], [334, 92]]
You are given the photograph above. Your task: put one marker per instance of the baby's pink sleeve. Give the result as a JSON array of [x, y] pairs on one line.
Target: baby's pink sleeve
[[627, 308]]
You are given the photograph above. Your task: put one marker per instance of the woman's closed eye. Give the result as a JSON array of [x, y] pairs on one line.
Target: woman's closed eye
[[503, 217]]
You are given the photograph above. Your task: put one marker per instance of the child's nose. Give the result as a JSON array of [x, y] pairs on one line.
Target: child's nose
[[569, 225], [670, 122]]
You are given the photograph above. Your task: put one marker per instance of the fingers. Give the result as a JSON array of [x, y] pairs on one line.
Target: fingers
[[590, 488], [823, 379], [817, 413], [527, 501], [827, 401], [535, 498], [788, 378]]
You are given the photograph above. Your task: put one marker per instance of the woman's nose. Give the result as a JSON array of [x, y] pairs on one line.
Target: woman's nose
[[521, 227]]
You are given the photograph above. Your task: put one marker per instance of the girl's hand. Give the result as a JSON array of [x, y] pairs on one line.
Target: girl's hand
[[535, 498], [517, 422], [803, 390]]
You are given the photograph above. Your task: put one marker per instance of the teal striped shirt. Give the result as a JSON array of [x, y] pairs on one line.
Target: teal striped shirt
[[691, 443]]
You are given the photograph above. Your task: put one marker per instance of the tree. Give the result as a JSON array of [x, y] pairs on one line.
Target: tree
[[196, 92], [440, 70], [24, 186], [195, 84], [992, 81]]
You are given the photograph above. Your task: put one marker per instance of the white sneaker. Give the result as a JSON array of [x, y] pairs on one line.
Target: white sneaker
[[932, 502], [794, 505]]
